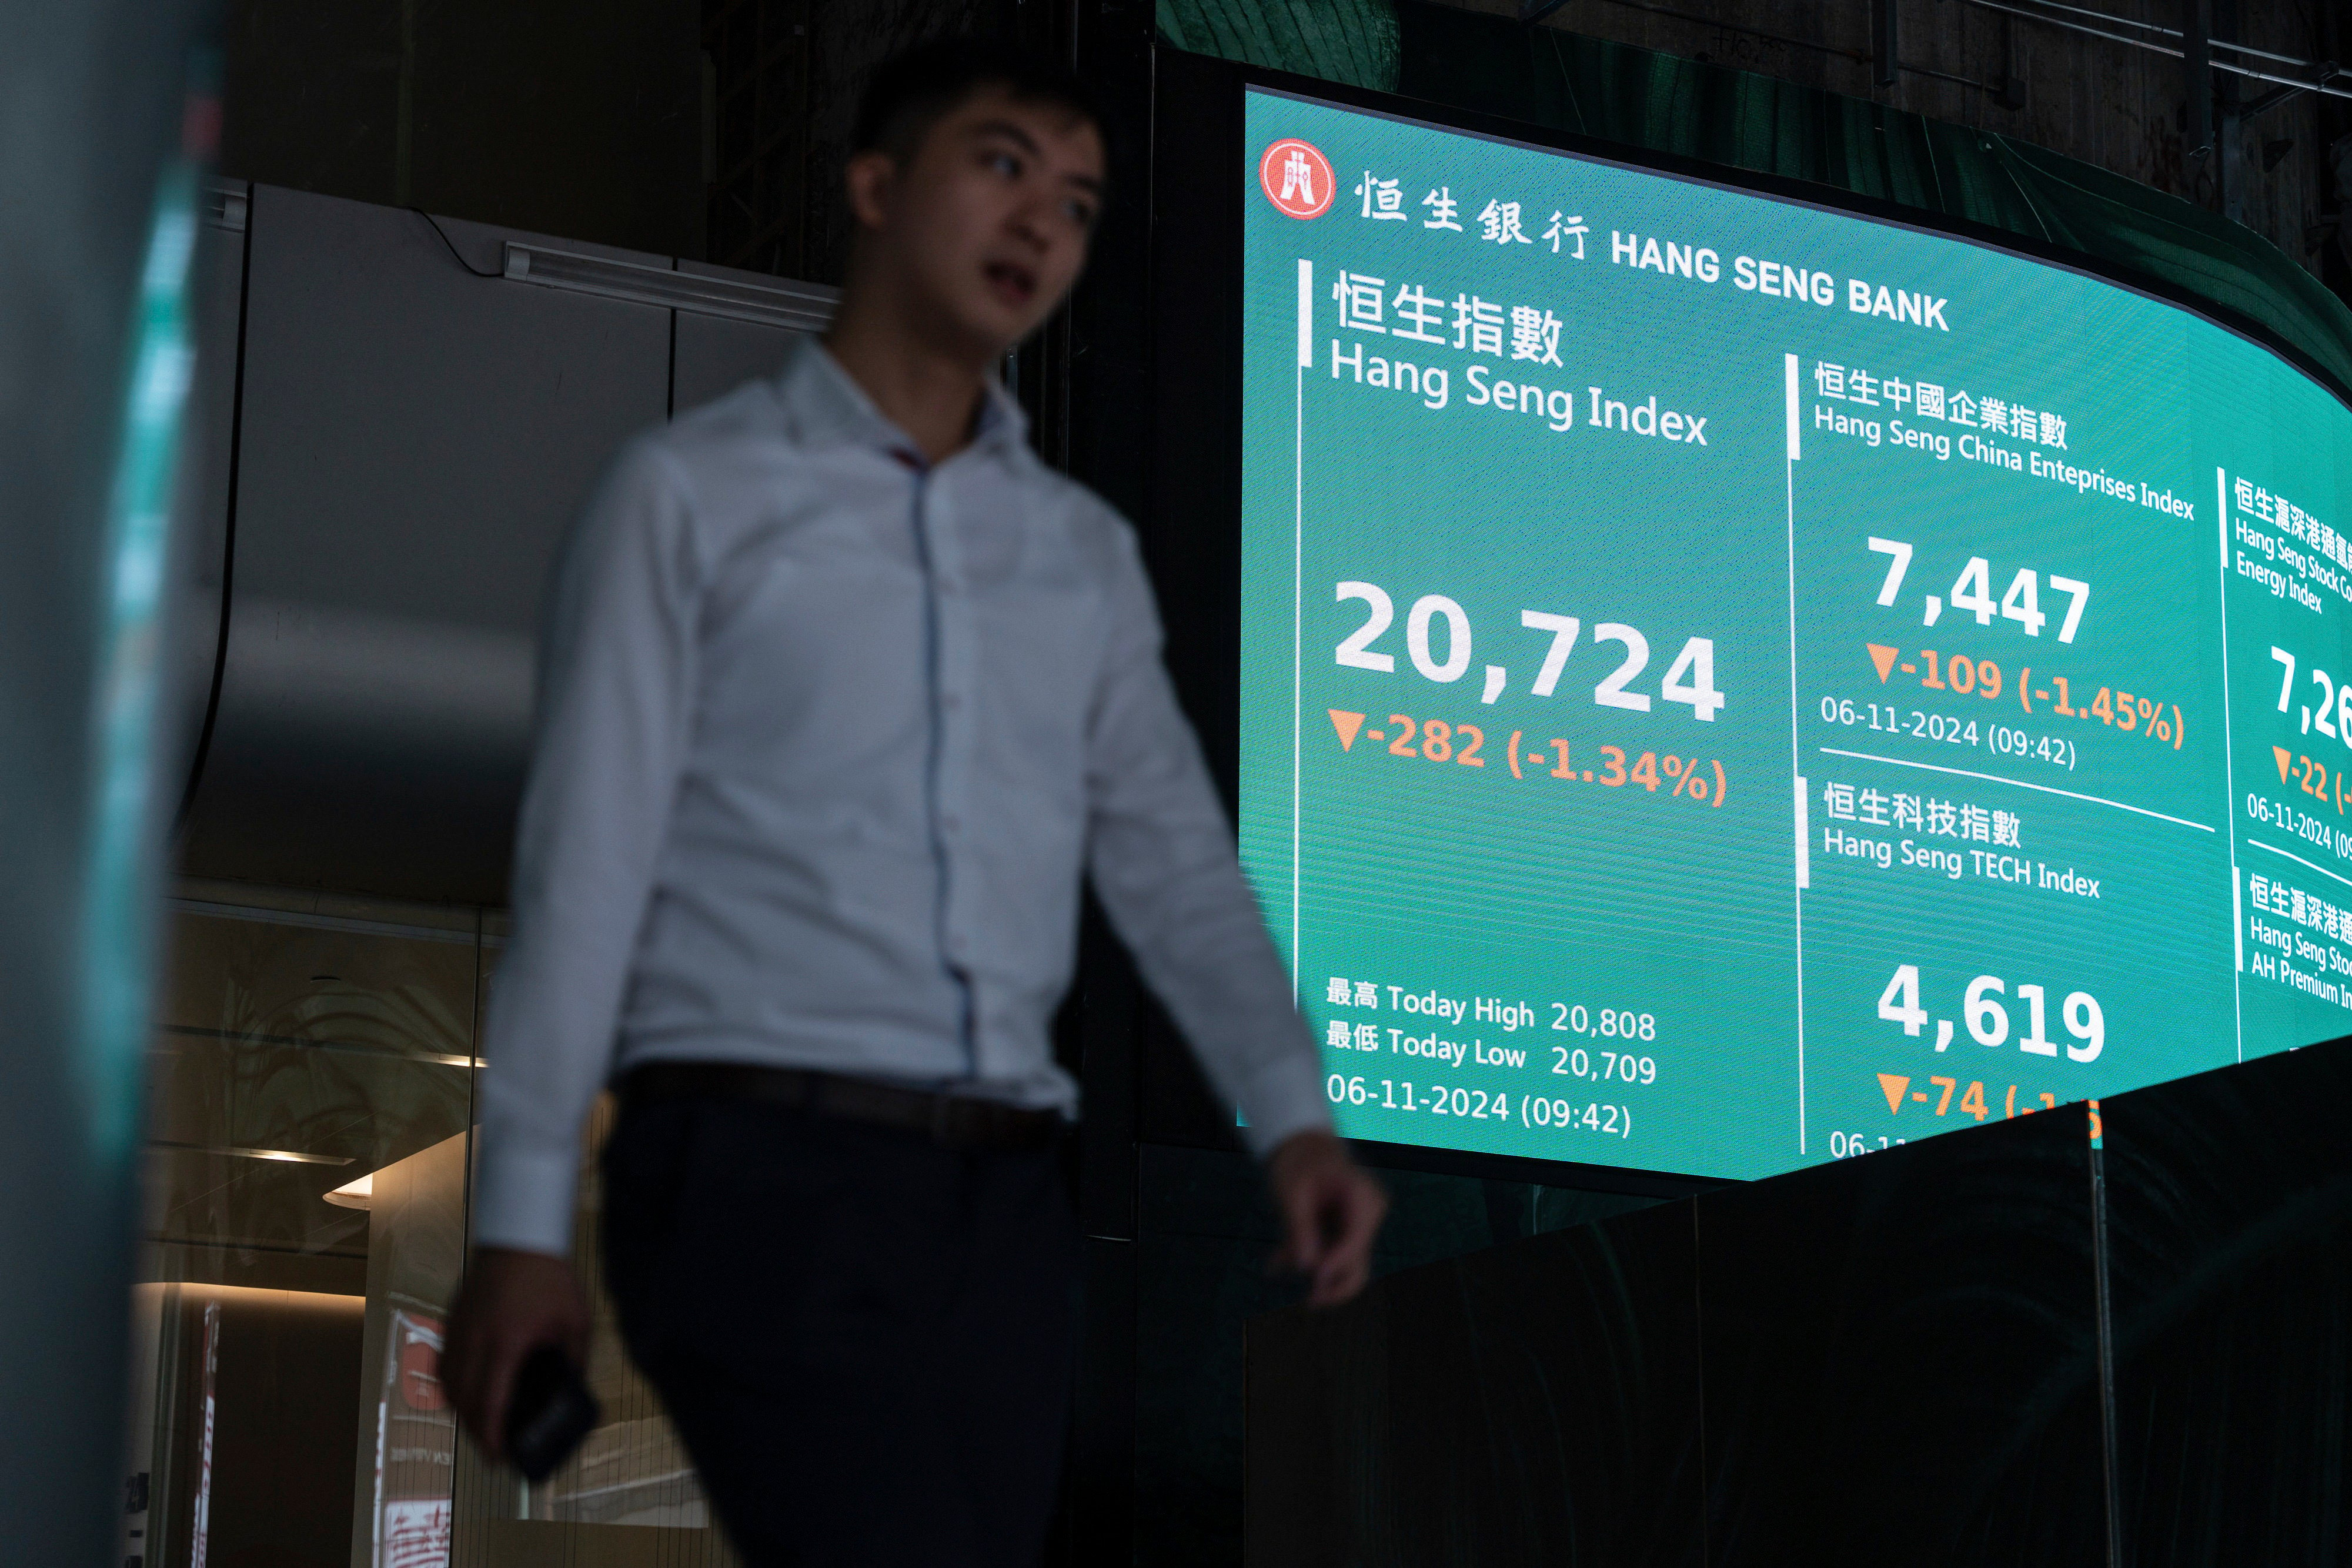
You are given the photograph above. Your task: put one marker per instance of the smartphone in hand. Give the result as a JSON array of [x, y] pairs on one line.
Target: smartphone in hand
[[550, 1412]]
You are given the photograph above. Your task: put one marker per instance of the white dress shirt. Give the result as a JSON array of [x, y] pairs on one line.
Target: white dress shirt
[[826, 738]]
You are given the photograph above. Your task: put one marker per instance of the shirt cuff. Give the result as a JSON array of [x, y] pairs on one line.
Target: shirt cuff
[[1282, 1098], [523, 1199]]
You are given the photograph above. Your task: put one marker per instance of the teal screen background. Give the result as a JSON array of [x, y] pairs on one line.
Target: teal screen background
[[1830, 830]]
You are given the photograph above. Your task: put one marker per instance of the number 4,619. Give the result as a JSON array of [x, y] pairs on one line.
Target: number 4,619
[[1988, 1019]]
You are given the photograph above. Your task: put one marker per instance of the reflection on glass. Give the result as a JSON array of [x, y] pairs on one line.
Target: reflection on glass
[[309, 1152], [417, 1253], [632, 1470]]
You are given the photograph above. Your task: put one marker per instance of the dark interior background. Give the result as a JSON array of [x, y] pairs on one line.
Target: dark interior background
[[717, 131]]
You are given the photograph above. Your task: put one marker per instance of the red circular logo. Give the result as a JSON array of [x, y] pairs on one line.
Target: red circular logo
[[1297, 178]]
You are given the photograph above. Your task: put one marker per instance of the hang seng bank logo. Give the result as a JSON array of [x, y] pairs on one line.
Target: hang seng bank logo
[[1297, 178]]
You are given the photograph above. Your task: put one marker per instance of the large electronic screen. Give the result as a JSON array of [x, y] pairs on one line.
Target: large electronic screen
[[1729, 683]]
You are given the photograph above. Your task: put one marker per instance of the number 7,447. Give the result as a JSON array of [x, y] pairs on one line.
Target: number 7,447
[[1973, 591], [1437, 639]]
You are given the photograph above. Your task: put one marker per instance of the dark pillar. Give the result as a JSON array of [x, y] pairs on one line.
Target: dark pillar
[[93, 242], [2197, 81], [2229, 162]]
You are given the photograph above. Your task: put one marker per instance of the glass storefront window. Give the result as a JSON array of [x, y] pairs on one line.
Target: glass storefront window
[[309, 1144]]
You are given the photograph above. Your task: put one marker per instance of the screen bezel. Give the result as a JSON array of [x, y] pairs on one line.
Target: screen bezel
[[1189, 522]]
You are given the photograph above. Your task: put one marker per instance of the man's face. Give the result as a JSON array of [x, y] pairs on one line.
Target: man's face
[[984, 228]]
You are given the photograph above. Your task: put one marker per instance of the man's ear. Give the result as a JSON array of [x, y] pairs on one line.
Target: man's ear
[[869, 178]]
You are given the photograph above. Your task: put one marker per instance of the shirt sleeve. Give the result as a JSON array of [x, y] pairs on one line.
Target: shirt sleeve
[[1161, 856], [616, 686]]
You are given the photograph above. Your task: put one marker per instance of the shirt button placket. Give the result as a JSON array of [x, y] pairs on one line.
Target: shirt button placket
[[951, 599]]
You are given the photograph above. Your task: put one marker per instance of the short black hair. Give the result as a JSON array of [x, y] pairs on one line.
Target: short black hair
[[909, 91]]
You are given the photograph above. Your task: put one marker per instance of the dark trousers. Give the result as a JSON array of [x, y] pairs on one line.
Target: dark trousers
[[864, 1339]]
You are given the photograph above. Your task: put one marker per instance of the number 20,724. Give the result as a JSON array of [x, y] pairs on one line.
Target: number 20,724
[[1690, 680]]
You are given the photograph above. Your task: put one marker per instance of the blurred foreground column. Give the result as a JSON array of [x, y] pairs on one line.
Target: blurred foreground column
[[96, 195]]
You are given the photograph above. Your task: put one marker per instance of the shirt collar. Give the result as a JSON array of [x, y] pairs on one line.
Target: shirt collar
[[824, 402]]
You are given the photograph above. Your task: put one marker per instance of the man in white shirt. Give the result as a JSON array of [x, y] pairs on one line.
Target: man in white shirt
[[842, 694]]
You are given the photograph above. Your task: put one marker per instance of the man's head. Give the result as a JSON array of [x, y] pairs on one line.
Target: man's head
[[975, 177]]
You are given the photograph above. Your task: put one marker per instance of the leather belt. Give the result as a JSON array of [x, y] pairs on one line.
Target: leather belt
[[956, 1122]]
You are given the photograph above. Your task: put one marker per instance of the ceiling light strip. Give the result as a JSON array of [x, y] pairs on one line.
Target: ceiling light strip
[[2164, 31], [796, 306], [2322, 80], [285, 1156], [313, 920]]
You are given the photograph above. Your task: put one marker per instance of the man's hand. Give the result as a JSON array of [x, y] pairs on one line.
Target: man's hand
[[513, 1303], [1331, 1210]]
